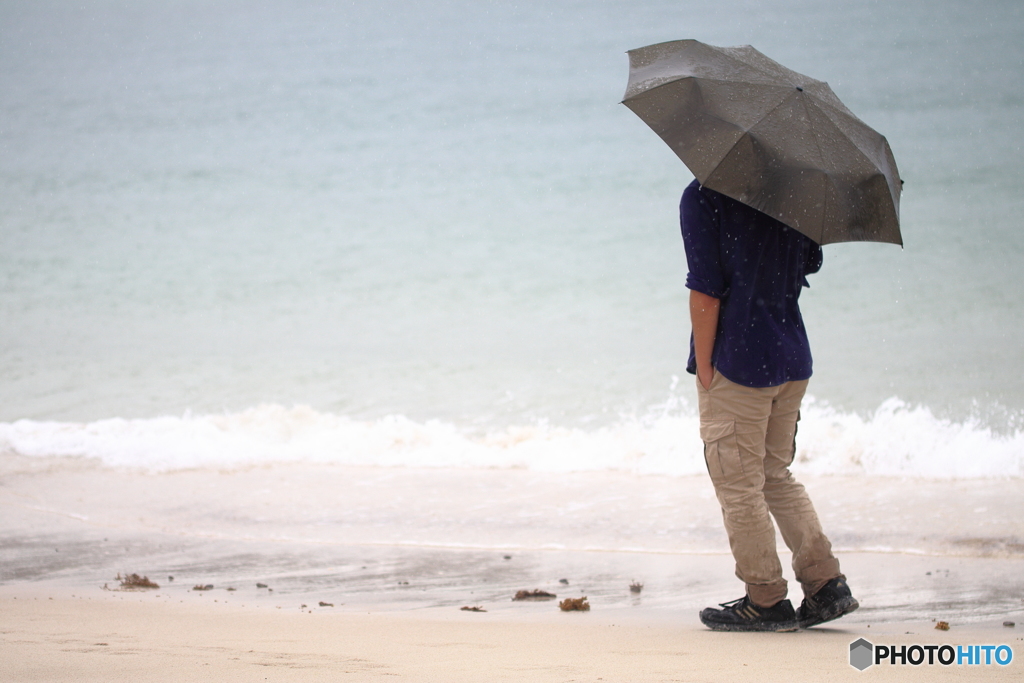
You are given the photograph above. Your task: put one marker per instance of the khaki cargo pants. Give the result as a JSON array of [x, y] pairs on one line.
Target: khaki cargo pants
[[749, 439]]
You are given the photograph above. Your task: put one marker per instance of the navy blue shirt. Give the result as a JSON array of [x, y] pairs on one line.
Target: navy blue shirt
[[755, 266]]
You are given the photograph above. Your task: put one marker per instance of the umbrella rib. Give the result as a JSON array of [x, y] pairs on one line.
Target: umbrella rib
[[746, 129], [849, 119], [706, 79], [817, 140]]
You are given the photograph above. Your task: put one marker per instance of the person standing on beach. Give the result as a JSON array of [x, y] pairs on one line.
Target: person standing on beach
[[750, 353]]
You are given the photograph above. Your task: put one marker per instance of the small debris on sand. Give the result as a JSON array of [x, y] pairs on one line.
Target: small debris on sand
[[170, 578], [467, 608], [201, 587], [230, 589], [133, 581], [942, 625], [508, 557], [535, 594], [636, 587], [261, 585], [1009, 624], [564, 582], [574, 605], [326, 604]]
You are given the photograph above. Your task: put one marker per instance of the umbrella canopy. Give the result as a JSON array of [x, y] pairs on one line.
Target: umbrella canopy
[[772, 138]]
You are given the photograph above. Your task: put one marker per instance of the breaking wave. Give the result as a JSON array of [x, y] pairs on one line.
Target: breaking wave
[[897, 440]]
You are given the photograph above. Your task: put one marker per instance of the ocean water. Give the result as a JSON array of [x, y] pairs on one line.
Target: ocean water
[[428, 235]]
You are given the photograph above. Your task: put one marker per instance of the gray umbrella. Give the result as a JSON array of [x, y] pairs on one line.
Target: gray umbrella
[[776, 140]]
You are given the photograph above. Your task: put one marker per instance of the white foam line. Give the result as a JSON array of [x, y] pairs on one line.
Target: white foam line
[[896, 441]]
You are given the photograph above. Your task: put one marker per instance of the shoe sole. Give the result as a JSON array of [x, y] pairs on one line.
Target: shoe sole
[[839, 608], [769, 627]]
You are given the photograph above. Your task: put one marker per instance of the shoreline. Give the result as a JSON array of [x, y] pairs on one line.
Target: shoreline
[[484, 508], [891, 588]]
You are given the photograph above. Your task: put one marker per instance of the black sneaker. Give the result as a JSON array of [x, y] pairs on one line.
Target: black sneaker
[[743, 615], [832, 601]]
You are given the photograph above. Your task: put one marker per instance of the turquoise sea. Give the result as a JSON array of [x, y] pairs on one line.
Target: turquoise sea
[[305, 219]]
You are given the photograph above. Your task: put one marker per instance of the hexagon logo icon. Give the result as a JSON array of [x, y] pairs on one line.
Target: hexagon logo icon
[[862, 654]]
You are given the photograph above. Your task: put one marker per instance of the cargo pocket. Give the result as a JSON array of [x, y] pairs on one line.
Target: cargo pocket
[[721, 452]]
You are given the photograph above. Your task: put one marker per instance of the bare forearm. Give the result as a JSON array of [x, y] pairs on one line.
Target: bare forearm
[[704, 311]]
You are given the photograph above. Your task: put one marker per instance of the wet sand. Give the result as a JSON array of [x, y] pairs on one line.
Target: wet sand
[[495, 508], [891, 587]]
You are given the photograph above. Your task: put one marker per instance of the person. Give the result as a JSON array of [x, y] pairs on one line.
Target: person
[[750, 353]]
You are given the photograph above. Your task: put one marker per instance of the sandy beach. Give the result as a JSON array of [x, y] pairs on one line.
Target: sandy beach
[[60, 634]]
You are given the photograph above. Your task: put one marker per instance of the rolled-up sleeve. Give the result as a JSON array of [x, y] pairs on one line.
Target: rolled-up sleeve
[[698, 219]]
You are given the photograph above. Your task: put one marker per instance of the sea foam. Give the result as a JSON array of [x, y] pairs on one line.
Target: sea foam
[[897, 440]]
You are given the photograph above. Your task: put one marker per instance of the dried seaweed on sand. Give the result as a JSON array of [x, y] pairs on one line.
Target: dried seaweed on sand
[[201, 587], [636, 587], [467, 608], [135, 582], [574, 605], [535, 594]]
